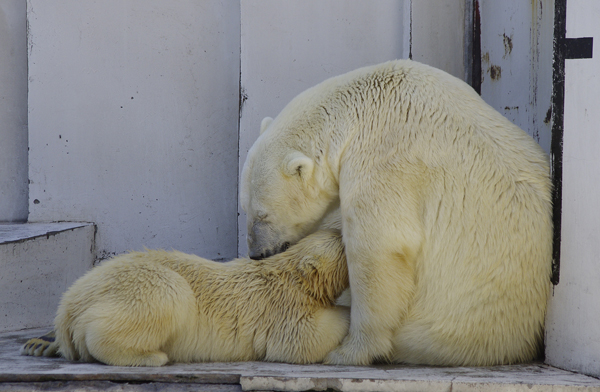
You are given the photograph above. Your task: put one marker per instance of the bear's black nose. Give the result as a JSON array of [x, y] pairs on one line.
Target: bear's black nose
[[269, 252], [260, 256]]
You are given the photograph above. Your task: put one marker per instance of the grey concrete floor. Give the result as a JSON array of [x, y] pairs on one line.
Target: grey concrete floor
[[23, 373]]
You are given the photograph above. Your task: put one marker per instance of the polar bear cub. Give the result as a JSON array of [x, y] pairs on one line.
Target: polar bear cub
[[150, 308]]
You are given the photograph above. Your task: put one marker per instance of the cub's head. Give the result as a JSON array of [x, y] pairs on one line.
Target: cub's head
[[320, 263], [284, 190]]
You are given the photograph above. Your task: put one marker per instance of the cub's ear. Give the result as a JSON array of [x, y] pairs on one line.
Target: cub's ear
[[264, 124], [298, 164], [308, 267]]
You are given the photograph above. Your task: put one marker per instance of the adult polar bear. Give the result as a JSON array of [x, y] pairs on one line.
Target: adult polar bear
[[444, 207]]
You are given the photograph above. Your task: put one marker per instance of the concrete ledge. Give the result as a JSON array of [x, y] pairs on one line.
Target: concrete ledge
[[39, 261], [46, 373], [515, 378], [107, 386]]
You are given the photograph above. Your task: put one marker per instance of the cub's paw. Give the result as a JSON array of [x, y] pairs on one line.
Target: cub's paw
[[45, 346]]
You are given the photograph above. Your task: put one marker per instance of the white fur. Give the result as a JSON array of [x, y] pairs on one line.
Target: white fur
[[150, 308], [444, 207]]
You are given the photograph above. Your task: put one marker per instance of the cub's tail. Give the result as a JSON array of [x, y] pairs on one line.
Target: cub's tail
[[45, 345]]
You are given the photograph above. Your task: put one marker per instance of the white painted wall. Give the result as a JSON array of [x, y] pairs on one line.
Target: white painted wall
[[438, 34], [516, 64], [288, 47], [13, 111], [133, 104], [133, 116], [573, 322]]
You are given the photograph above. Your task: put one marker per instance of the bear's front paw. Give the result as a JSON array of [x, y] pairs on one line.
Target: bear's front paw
[[347, 354], [360, 350], [340, 356]]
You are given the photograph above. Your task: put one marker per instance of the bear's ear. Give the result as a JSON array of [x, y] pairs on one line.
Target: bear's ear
[[298, 164], [264, 124]]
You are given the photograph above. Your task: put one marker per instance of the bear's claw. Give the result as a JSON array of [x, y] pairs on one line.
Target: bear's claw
[[44, 345]]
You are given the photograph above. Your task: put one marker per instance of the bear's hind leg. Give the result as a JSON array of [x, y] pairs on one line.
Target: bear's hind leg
[[116, 347], [44, 345], [135, 324], [128, 356]]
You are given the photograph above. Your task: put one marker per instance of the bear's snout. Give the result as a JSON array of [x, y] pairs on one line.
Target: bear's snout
[[269, 252], [263, 241]]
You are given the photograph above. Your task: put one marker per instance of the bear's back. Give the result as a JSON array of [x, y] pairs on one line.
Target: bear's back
[[484, 201]]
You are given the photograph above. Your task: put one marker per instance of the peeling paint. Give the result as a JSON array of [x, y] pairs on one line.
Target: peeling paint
[[548, 117], [495, 72], [243, 99], [486, 57], [103, 255], [508, 44]]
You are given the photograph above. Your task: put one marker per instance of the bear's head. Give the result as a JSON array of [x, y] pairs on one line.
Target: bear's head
[[285, 190]]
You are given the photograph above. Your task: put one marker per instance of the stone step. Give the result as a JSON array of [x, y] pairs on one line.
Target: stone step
[[21, 373], [39, 261]]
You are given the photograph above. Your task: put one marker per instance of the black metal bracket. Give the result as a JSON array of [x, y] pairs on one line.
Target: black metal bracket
[[578, 48]]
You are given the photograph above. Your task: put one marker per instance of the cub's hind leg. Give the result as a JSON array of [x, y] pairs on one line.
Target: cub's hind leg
[[113, 348], [134, 324], [127, 339]]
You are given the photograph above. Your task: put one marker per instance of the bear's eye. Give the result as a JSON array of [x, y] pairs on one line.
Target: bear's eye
[[262, 215]]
